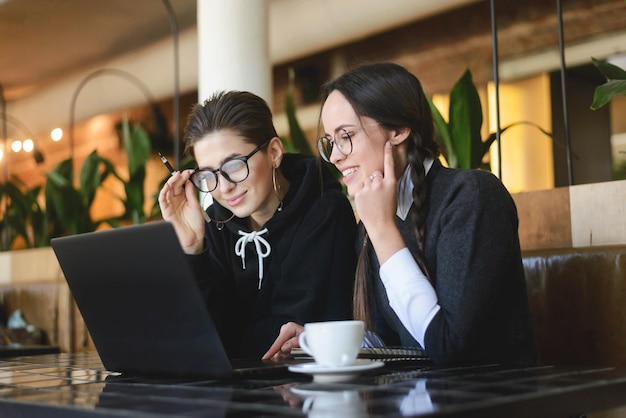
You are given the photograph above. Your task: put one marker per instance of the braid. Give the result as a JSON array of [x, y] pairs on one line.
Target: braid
[[363, 286], [420, 194]]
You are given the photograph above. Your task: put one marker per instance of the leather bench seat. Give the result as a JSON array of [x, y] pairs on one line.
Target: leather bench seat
[[578, 301]]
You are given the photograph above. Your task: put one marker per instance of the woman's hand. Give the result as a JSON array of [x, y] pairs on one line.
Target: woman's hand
[[180, 206], [287, 339], [376, 203]]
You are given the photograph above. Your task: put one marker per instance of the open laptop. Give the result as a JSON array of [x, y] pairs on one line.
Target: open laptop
[[138, 297]]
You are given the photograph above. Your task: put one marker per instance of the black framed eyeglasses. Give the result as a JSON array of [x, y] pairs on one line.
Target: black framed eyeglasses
[[342, 140], [235, 170]]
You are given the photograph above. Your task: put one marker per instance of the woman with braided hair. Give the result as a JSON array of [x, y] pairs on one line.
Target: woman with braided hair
[[439, 257]]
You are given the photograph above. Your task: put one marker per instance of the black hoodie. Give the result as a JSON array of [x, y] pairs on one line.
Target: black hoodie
[[307, 276]]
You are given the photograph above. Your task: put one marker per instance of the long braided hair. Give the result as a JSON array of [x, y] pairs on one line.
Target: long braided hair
[[391, 95]]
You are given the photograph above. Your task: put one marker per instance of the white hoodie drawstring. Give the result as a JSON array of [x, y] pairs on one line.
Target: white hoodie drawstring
[[259, 242]]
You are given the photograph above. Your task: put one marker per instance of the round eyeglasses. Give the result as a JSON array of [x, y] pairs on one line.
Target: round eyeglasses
[[235, 170], [342, 140]]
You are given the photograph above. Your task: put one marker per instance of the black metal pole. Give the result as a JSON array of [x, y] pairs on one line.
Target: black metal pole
[[174, 29], [496, 81], [568, 145], [5, 169], [97, 73], [17, 124]]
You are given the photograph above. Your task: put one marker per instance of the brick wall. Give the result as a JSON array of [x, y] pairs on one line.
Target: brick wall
[[440, 48]]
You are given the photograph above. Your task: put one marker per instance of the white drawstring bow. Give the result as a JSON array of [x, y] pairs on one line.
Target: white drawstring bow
[[263, 248]]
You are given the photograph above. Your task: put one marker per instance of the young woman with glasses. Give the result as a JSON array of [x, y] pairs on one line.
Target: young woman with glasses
[[440, 264], [270, 249]]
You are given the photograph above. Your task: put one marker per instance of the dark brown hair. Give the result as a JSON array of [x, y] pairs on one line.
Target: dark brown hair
[[240, 111], [391, 95]]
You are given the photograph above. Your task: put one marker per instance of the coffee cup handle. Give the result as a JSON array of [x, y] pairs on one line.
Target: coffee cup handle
[[304, 345]]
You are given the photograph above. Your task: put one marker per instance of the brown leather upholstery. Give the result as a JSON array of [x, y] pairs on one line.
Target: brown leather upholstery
[[578, 299]]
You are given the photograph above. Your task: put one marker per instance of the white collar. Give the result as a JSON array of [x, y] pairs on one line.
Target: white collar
[[405, 189]]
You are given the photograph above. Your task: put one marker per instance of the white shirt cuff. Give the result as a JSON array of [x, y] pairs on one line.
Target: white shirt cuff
[[411, 295]]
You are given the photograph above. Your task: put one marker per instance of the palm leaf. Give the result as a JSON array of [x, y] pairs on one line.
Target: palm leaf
[[615, 85], [298, 141], [610, 71], [607, 91], [465, 121], [442, 135]]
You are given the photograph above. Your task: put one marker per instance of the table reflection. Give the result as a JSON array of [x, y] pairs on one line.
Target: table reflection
[[319, 403], [417, 401], [78, 386]]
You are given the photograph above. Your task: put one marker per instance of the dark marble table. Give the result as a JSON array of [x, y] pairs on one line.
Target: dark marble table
[[76, 385]]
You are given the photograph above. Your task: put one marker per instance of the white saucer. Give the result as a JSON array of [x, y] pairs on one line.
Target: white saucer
[[335, 374]]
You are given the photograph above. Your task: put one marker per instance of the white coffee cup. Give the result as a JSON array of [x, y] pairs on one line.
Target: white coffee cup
[[333, 343]]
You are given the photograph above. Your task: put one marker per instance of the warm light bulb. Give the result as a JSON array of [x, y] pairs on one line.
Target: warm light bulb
[[1, 154], [56, 134], [28, 145], [16, 146]]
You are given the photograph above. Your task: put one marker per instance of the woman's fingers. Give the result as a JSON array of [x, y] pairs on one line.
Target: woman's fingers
[[286, 340], [389, 172]]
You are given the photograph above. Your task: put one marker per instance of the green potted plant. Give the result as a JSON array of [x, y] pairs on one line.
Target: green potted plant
[[460, 138], [24, 216], [68, 206], [75, 203], [136, 143]]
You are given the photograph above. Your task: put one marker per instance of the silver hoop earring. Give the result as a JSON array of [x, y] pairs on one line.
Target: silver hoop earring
[[277, 190], [218, 224]]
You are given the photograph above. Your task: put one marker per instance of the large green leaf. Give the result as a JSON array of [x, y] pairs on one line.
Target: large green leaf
[[607, 91], [65, 169], [442, 135], [38, 221], [610, 71], [135, 196], [67, 208], [23, 216], [17, 213], [615, 85], [64, 206], [90, 178], [137, 146], [465, 121], [298, 142]]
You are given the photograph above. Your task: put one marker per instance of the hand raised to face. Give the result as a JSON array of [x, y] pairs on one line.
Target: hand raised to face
[[376, 200], [376, 203]]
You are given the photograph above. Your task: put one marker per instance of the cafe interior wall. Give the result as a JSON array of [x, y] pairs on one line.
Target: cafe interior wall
[[438, 56]]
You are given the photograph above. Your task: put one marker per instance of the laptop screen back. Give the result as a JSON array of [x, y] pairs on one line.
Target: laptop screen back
[[140, 302]]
